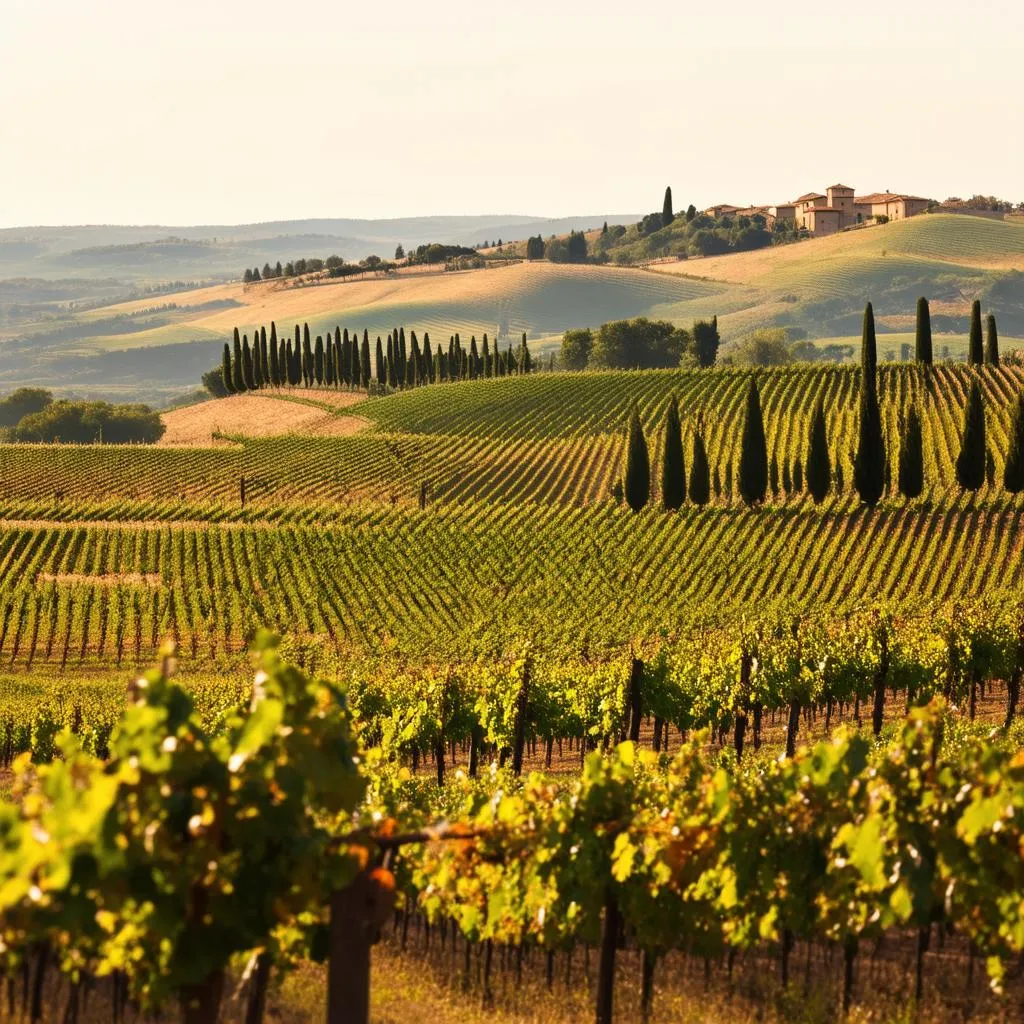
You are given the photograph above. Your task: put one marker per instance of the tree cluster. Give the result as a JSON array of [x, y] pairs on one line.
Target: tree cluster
[[343, 360], [640, 344], [91, 423]]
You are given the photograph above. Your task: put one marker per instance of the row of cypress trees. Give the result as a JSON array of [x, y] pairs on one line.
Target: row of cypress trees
[[979, 349], [343, 361], [974, 464]]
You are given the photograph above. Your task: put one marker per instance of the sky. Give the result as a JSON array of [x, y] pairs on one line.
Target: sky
[[225, 112]]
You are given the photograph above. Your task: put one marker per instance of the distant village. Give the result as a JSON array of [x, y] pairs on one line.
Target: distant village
[[834, 210]]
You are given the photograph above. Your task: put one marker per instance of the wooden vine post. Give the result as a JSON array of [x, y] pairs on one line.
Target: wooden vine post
[[357, 913], [606, 969], [636, 701]]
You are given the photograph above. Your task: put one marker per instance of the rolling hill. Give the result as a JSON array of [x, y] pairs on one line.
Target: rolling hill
[[156, 346]]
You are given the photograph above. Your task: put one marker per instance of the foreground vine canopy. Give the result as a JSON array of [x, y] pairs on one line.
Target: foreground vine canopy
[[191, 851]]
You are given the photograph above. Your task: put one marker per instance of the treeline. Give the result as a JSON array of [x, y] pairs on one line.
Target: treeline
[[343, 360], [641, 344], [872, 471], [335, 266]]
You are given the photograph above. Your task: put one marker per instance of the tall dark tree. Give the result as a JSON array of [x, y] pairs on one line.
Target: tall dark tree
[[667, 216], [1013, 473], [307, 361], [753, 480], [970, 463], [975, 343], [247, 373], [379, 365], [923, 336], [264, 360], [869, 347], [819, 467], [673, 468], [991, 341], [318, 360], [257, 361], [364, 361], [700, 471], [911, 467], [329, 367], [237, 375], [869, 464], [275, 362], [225, 370], [636, 482]]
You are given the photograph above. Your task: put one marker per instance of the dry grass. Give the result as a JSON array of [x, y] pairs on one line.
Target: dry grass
[[259, 416]]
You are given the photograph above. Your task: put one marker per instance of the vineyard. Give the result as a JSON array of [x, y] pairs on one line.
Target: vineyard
[[607, 709], [185, 850]]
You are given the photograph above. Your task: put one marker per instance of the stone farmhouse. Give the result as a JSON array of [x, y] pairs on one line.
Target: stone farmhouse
[[834, 210]]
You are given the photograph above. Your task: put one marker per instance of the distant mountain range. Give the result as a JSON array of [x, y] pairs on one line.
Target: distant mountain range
[[154, 254]]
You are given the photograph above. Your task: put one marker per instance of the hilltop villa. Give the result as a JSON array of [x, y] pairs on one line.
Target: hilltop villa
[[836, 209]]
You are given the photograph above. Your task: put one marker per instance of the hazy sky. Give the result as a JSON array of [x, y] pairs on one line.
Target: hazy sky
[[228, 111]]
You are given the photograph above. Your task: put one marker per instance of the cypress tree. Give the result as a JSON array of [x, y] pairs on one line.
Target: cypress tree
[[868, 346], [819, 468], [237, 374], [991, 341], [667, 216], [975, 344], [275, 363], [318, 360], [673, 469], [257, 361], [329, 370], [911, 467], [700, 473], [970, 464], [282, 362], [264, 364], [307, 362], [487, 358], [636, 483], [364, 361], [753, 481], [380, 366], [474, 359], [354, 371], [869, 462], [225, 370], [923, 337], [247, 369], [1013, 473]]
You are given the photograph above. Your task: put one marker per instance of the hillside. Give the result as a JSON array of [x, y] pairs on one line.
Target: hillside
[[159, 346]]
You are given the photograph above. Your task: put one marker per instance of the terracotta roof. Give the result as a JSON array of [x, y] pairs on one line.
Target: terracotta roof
[[888, 197], [846, 187], [810, 195]]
